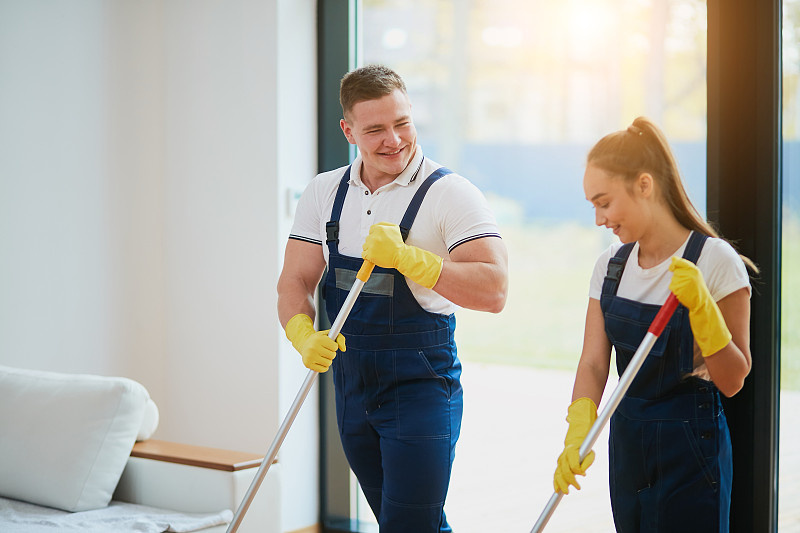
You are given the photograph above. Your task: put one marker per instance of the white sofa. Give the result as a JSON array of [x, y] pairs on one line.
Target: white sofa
[[76, 454]]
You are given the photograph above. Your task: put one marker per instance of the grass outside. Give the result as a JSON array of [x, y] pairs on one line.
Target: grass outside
[[542, 323], [790, 308], [549, 270]]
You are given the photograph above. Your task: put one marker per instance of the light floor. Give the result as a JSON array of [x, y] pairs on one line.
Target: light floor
[[513, 431]]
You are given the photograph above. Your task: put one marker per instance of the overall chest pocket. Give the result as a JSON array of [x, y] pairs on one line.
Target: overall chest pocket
[[626, 331], [665, 366]]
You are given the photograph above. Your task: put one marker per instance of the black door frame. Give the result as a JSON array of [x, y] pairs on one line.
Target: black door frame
[[335, 57], [744, 200]]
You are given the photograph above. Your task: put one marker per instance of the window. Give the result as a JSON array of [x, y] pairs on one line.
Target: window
[[512, 95], [789, 474], [523, 83]]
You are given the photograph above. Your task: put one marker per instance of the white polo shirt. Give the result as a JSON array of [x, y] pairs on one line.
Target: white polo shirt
[[453, 212]]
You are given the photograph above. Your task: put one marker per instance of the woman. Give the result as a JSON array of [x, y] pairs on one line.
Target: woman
[[669, 445]]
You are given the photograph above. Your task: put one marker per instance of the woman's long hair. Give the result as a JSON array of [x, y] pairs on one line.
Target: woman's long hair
[[643, 148]]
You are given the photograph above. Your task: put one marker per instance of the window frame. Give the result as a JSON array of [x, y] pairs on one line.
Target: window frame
[[743, 200]]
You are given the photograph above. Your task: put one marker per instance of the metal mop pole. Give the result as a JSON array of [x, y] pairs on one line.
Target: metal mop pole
[[361, 278], [653, 332]]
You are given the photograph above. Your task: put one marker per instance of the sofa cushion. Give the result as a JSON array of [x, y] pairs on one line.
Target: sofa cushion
[[65, 438], [149, 421]]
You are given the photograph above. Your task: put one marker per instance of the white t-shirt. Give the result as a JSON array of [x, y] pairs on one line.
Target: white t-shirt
[[723, 271], [453, 212]]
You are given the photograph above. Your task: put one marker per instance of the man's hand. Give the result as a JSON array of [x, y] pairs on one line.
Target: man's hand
[[316, 348], [384, 246]]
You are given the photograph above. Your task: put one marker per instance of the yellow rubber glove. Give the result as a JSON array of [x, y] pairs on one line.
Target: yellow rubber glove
[[317, 349], [385, 247], [581, 414], [708, 326]]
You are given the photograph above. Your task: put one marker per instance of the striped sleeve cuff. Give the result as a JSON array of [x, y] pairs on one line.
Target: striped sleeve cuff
[[304, 239], [472, 238]]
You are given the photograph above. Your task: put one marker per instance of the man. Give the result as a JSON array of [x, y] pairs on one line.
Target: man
[[436, 246]]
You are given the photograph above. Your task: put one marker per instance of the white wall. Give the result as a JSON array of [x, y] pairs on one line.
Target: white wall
[[79, 172], [219, 197], [146, 150], [297, 163]]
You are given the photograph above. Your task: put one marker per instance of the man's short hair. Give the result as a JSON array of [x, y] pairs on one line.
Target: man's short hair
[[368, 83]]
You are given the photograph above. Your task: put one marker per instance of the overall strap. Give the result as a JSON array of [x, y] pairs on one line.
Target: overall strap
[[332, 226], [416, 201], [694, 246], [616, 265]]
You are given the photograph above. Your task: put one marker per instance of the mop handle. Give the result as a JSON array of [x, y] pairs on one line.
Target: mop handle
[[653, 332], [361, 278]]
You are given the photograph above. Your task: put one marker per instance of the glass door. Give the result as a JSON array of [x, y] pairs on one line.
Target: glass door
[[789, 458], [512, 95]]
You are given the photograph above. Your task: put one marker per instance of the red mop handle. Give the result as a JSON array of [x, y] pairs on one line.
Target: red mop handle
[[656, 328], [663, 316]]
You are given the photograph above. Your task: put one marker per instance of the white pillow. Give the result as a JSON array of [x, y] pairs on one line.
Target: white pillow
[[149, 421], [65, 438]]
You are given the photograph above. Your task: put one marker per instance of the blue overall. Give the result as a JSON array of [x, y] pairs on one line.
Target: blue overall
[[669, 446], [398, 389]]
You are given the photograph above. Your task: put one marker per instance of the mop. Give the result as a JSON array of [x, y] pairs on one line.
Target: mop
[[361, 278], [653, 332]]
